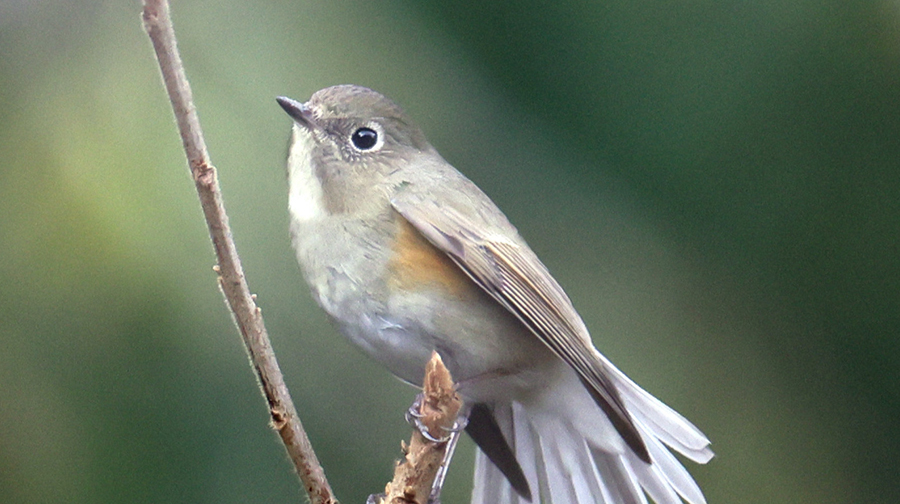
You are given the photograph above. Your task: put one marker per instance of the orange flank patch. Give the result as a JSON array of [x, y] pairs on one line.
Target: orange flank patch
[[417, 263]]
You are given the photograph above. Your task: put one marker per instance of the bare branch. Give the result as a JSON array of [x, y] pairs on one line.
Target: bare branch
[[242, 304], [414, 475]]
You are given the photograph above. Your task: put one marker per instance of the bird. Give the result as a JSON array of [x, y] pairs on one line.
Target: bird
[[408, 256]]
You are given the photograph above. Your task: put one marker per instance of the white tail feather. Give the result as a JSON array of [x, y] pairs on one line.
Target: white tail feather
[[572, 455], [664, 423]]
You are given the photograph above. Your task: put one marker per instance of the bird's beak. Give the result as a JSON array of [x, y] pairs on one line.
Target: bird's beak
[[299, 112]]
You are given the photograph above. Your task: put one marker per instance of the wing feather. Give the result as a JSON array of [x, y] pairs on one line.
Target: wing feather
[[511, 274]]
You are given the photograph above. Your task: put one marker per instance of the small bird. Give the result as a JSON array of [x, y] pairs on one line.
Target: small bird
[[408, 256]]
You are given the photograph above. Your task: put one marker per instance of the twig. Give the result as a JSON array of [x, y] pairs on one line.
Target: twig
[[242, 304], [439, 409]]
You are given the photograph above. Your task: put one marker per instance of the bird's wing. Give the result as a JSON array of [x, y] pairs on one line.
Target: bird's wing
[[510, 272]]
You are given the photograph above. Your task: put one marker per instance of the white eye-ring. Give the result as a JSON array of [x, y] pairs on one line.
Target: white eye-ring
[[367, 138]]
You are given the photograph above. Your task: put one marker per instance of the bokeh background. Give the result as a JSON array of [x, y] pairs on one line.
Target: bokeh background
[[716, 184]]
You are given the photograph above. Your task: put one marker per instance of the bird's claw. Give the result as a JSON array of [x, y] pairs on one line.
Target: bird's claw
[[414, 417]]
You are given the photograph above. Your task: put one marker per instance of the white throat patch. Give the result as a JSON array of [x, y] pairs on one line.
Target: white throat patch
[[305, 200]]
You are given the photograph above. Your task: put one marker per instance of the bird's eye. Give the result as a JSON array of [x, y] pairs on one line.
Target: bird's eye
[[364, 138]]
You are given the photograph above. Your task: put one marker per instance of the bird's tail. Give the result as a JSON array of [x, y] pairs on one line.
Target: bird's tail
[[570, 453]]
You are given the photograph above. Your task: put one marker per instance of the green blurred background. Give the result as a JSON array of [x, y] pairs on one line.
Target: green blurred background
[[716, 184]]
